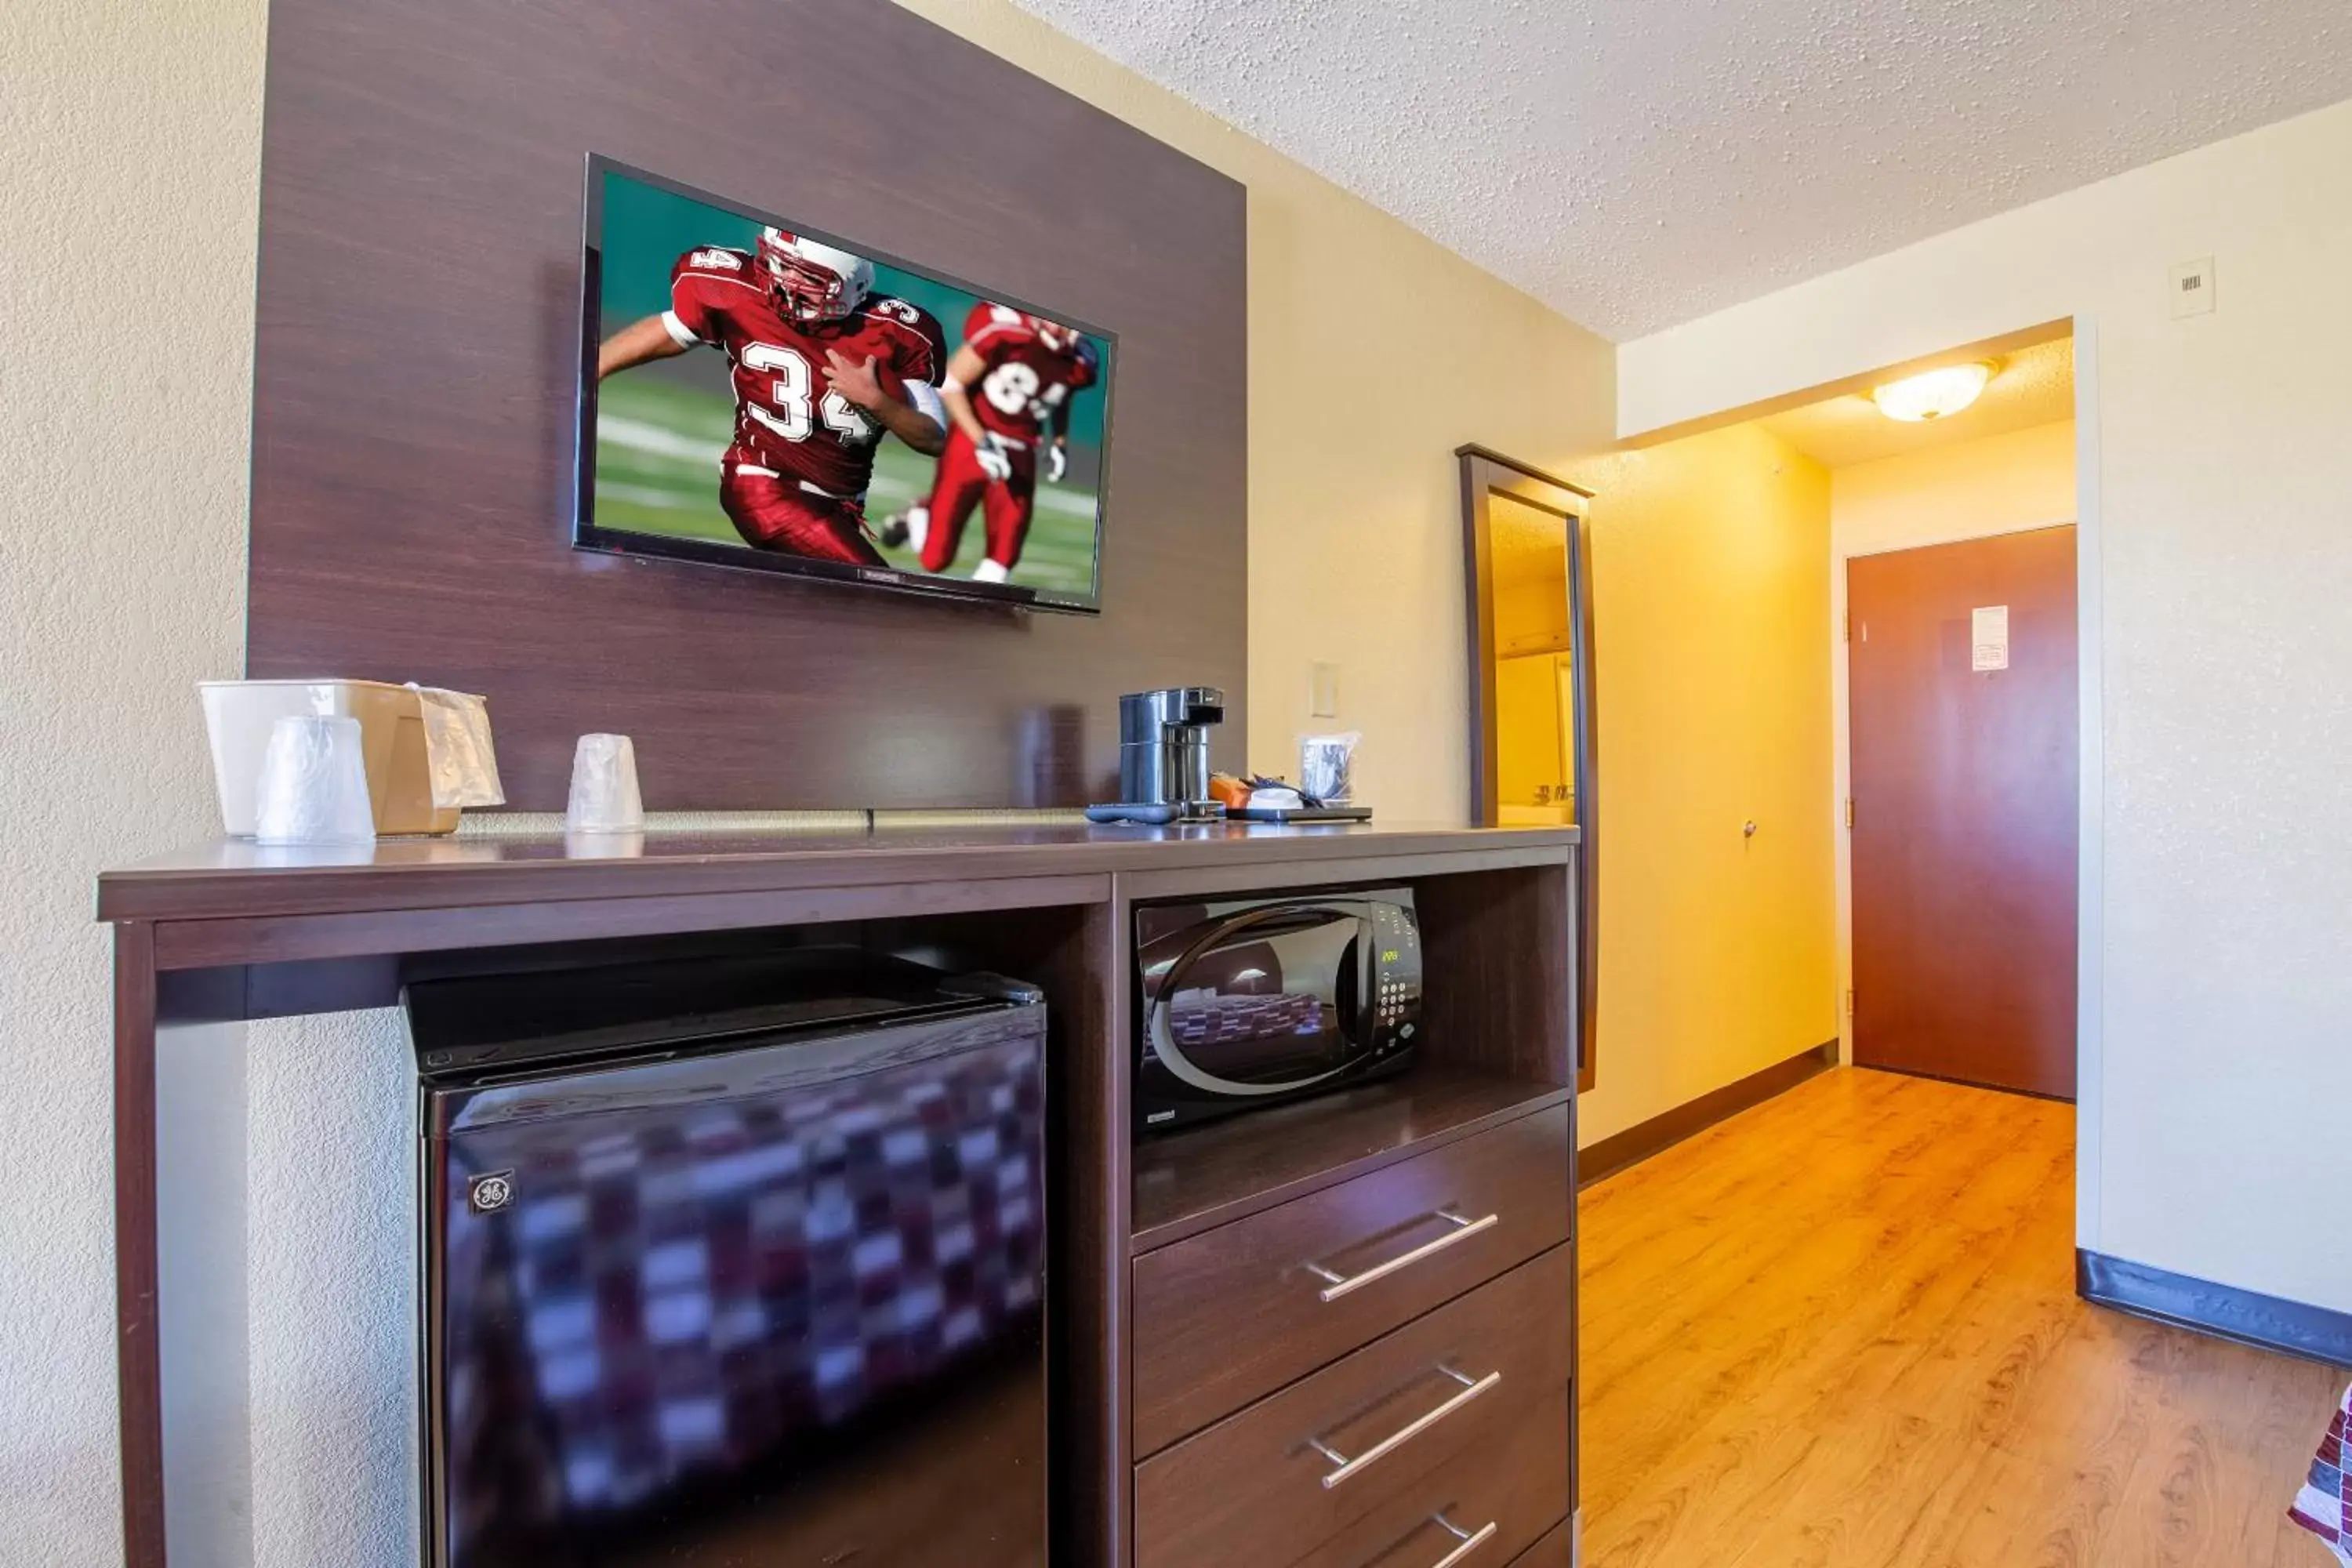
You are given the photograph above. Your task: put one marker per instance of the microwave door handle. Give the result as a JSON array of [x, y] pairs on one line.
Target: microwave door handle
[[1359, 979], [1368, 974]]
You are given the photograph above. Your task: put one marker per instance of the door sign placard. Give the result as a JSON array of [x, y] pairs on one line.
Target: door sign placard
[[1989, 637]]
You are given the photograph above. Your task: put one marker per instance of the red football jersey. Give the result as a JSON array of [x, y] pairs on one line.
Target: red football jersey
[[787, 418], [1025, 381]]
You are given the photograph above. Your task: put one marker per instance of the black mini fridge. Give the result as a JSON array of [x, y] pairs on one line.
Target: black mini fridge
[[732, 1262]]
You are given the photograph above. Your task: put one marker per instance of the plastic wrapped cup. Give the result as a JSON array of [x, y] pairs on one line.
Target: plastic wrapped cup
[[604, 798], [1326, 767], [313, 787]]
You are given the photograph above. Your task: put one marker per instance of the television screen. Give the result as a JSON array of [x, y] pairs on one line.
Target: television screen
[[756, 394]]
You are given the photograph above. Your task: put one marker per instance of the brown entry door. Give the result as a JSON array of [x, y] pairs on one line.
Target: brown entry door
[[1965, 810]]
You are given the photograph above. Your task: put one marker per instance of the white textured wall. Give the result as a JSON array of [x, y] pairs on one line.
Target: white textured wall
[[2219, 998], [132, 131], [200, 1222], [332, 1286]]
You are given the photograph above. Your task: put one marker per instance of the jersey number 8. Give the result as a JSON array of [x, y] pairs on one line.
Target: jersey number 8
[[1012, 387]]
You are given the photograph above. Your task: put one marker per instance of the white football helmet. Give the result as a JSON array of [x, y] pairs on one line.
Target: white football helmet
[[813, 281]]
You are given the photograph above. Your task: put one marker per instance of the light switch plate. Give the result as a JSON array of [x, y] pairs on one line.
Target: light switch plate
[[2192, 286], [1322, 690]]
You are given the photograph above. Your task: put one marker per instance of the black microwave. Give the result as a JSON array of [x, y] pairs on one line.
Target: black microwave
[[1252, 1002]]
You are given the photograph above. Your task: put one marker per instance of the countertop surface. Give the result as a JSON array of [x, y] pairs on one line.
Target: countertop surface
[[238, 877]]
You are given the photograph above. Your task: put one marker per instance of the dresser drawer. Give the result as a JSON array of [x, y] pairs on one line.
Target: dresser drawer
[[1235, 1312], [1273, 1483], [1479, 1510]]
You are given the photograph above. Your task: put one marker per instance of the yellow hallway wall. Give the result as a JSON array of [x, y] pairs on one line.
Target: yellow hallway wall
[[1711, 615]]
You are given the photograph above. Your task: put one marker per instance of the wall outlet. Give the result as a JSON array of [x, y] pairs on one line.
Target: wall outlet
[[2192, 286], [1322, 690]]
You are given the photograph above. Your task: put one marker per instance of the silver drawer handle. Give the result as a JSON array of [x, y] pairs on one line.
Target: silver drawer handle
[[1463, 1229], [1346, 1466], [1471, 1541]]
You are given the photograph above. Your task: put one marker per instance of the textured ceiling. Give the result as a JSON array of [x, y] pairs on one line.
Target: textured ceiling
[[2031, 387], [1638, 163]]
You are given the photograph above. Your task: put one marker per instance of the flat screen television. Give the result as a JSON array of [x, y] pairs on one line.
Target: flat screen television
[[758, 394]]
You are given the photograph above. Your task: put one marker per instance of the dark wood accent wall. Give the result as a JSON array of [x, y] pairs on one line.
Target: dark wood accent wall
[[413, 405]]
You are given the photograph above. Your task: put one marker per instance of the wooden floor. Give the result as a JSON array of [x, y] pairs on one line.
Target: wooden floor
[[1842, 1329]]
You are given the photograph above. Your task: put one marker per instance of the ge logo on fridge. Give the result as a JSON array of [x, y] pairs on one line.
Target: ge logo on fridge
[[488, 1194]]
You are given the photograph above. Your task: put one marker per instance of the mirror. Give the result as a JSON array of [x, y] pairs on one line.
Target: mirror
[[1526, 551]]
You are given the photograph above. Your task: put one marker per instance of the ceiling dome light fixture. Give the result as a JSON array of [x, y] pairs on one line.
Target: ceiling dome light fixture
[[1933, 394]]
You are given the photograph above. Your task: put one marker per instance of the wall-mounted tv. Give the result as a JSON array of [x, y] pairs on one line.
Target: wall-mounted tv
[[755, 392]]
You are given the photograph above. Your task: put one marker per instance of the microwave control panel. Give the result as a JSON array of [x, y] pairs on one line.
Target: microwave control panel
[[1396, 972]]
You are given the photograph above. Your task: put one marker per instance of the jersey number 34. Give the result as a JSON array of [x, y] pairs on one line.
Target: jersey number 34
[[792, 402]]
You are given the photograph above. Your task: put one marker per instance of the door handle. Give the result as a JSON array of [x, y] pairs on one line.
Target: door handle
[[1344, 1466], [1471, 1540], [1341, 1285]]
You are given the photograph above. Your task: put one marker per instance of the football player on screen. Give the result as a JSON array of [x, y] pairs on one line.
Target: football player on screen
[[1007, 391], [823, 366]]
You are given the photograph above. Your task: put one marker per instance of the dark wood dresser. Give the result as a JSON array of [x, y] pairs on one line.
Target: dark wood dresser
[[1335, 1334]]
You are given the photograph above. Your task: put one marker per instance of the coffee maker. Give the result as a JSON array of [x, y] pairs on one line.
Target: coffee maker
[[1163, 748]]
